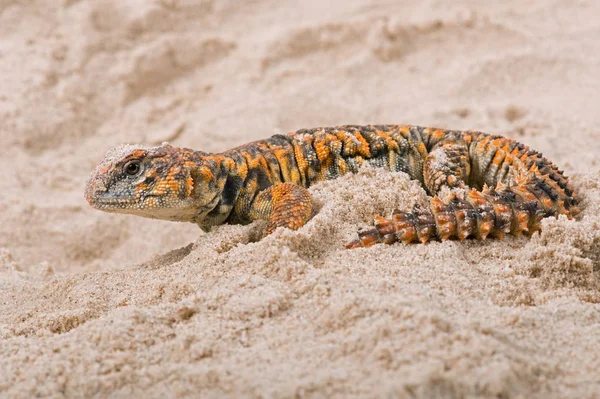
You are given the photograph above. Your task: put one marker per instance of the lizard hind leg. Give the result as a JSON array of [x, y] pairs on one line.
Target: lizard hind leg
[[446, 166], [282, 205]]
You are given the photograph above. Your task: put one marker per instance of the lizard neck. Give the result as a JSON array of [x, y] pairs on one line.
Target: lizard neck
[[226, 179]]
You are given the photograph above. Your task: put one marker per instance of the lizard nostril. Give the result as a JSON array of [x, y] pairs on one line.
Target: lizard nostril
[[94, 188]]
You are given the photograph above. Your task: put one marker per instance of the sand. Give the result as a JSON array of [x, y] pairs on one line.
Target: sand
[[96, 305]]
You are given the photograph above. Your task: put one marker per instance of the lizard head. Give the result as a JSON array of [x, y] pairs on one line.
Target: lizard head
[[162, 182]]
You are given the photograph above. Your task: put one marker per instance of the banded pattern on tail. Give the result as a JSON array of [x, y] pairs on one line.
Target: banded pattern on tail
[[518, 189]]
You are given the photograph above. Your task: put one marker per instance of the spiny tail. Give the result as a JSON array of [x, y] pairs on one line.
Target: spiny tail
[[491, 212]]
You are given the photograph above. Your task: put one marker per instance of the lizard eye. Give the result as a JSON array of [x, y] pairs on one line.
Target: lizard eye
[[132, 168]]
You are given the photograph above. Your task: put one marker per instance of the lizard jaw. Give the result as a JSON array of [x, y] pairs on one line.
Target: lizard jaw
[[149, 207], [98, 196], [110, 204]]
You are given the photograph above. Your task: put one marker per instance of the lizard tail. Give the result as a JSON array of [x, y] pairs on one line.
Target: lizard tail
[[494, 212]]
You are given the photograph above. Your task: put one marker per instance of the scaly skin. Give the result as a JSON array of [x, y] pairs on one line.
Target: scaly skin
[[497, 186]]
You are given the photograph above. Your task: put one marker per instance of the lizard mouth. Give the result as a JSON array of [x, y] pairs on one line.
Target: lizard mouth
[[108, 202], [99, 196]]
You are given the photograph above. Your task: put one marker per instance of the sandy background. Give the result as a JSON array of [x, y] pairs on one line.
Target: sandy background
[[94, 304]]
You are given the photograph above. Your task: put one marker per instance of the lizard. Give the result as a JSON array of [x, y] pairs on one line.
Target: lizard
[[480, 184]]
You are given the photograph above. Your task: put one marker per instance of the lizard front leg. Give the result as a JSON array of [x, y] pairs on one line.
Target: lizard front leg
[[282, 205]]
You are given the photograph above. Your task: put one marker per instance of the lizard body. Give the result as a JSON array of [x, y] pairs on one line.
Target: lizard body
[[498, 185]]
